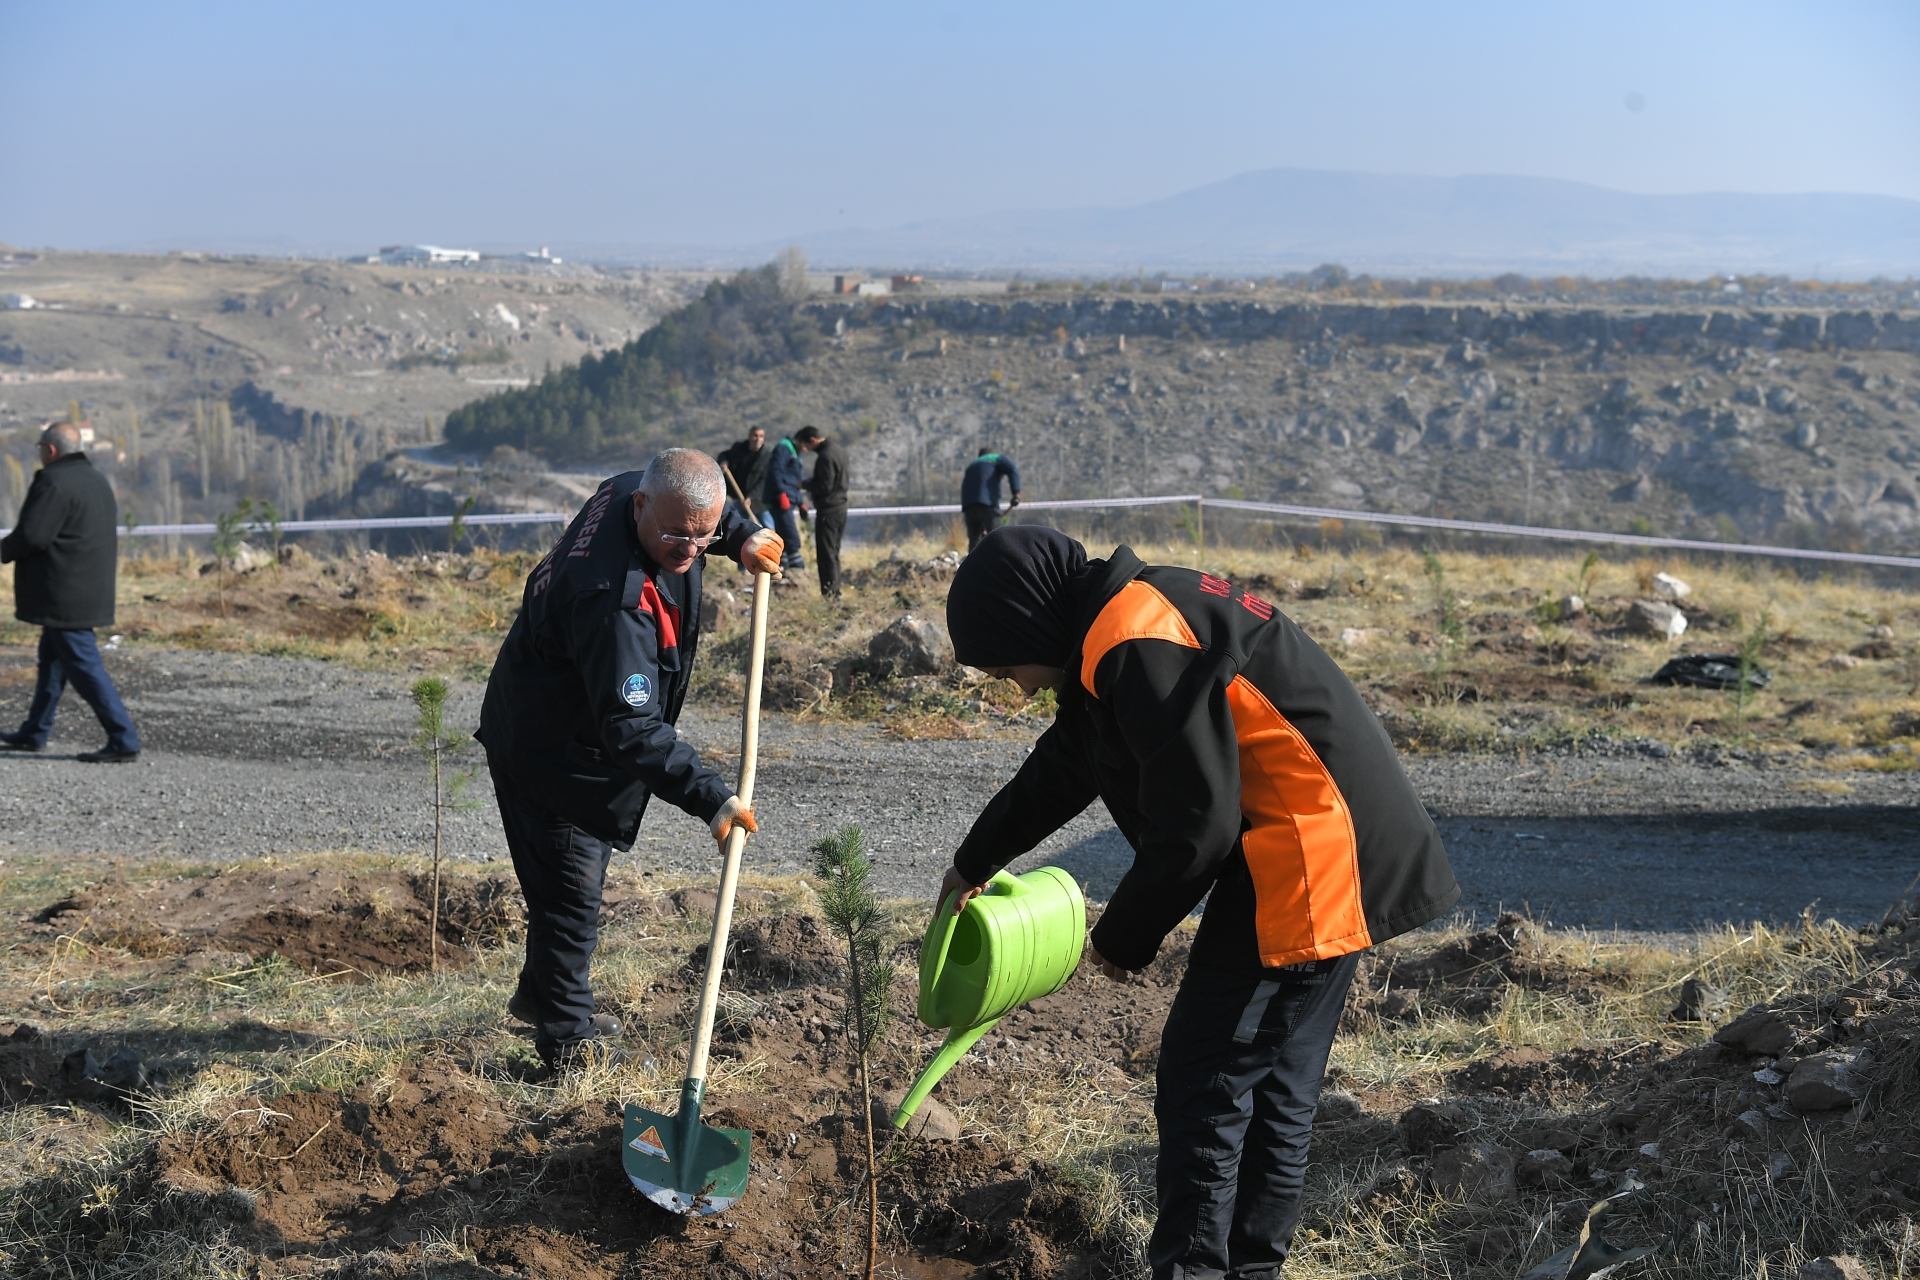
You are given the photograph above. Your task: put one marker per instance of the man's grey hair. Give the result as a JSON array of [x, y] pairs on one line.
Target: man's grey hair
[[62, 437], [687, 474]]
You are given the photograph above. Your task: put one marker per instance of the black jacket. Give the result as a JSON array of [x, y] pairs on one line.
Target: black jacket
[[66, 548], [749, 467], [589, 682], [827, 486], [1236, 758]]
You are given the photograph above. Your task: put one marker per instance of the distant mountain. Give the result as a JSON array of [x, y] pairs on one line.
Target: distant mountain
[[1281, 219]]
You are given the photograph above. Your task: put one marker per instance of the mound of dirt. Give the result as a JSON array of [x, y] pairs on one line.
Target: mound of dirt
[[360, 1182], [1466, 976], [344, 924]]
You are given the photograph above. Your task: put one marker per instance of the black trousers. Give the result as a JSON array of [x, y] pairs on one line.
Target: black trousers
[[562, 872], [1241, 1061], [982, 519], [828, 526]]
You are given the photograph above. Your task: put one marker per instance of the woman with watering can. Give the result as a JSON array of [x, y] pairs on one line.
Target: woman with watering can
[[1239, 762]]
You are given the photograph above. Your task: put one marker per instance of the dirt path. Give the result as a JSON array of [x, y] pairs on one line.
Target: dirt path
[[248, 756]]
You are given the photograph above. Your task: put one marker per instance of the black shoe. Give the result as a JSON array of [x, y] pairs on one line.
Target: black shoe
[[107, 755], [575, 1054], [20, 742], [605, 1025]]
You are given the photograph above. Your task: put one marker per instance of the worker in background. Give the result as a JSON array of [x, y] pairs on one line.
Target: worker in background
[[784, 493], [1240, 763], [827, 486], [980, 493], [579, 716], [747, 460], [65, 552]]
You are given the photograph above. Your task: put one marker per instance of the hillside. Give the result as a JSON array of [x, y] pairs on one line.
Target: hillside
[[1726, 424], [322, 367]]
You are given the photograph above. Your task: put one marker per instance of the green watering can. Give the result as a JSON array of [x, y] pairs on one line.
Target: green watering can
[[1019, 940]]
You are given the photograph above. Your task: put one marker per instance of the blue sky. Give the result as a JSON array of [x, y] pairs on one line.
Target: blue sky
[[310, 126]]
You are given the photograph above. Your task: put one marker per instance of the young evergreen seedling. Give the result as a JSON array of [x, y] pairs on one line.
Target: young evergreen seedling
[[430, 695], [853, 913]]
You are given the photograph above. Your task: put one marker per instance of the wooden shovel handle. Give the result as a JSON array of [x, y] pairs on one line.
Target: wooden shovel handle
[[737, 838]]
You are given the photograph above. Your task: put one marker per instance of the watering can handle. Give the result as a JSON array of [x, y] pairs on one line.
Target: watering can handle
[[942, 935]]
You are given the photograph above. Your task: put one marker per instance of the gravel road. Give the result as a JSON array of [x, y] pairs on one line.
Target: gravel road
[[250, 755]]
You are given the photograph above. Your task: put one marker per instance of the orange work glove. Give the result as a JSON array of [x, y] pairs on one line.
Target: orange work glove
[[786, 502], [762, 553], [734, 810]]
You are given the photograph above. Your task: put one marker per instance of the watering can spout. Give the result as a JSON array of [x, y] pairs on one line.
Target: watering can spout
[[1019, 940]]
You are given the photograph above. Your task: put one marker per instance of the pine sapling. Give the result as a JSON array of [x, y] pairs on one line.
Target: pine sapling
[[226, 543], [1751, 643], [430, 706], [853, 913]]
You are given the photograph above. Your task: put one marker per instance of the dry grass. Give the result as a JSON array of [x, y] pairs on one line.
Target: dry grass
[[63, 1167], [1490, 670]]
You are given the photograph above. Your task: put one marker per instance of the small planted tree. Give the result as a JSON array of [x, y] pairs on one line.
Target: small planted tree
[[853, 912], [430, 695], [1446, 608], [457, 527], [227, 527], [1751, 642], [267, 520]]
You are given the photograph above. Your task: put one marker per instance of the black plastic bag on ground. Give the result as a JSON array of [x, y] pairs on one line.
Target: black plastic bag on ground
[[1710, 671]]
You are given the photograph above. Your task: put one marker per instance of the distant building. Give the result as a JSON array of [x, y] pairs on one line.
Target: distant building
[[413, 255], [19, 302], [846, 284], [538, 255], [873, 288], [908, 282]]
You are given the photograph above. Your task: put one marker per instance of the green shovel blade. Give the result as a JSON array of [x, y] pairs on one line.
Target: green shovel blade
[[682, 1165]]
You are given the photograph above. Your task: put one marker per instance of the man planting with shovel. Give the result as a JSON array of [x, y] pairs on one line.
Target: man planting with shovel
[[1243, 768], [579, 716]]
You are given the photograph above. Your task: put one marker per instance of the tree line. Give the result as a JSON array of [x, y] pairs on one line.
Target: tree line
[[751, 321]]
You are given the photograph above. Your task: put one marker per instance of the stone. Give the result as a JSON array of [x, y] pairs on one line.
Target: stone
[[717, 608], [1843, 662], [1336, 1105], [931, 1119], [1806, 435], [1698, 1002], [1656, 618], [1836, 1266], [1572, 606], [1428, 1125], [915, 646], [1668, 587], [1543, 1167], [478, 571], [1759, 1031], [1482, 1172], [1827, 1081], [1782, 399], [294, 556]]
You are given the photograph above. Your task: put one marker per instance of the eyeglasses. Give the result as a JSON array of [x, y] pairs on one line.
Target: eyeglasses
[[684, 540]]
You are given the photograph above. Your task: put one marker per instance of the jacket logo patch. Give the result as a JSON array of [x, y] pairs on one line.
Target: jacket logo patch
[[638, 691], [1256, 606], [1215, 586]]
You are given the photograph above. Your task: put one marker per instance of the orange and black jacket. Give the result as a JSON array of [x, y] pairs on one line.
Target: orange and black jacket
[[1236, 758]]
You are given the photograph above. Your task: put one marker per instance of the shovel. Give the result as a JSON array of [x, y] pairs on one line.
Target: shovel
[[677, 1162]]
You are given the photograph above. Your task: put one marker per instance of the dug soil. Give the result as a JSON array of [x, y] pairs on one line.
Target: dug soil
[[433, 1168], [347, 925]]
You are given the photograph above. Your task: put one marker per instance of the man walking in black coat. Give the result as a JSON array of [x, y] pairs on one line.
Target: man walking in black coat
[[66, 552], [827, 486]]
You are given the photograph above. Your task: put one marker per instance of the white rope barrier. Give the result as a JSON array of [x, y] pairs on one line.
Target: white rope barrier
[[1068, 504]]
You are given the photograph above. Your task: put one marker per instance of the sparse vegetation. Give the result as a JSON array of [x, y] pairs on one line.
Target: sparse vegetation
[[1556, 1044]]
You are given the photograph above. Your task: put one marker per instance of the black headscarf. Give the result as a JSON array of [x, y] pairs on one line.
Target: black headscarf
[[1011, 602]]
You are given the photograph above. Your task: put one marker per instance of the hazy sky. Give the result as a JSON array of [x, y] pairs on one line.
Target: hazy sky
[[352, 124]]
